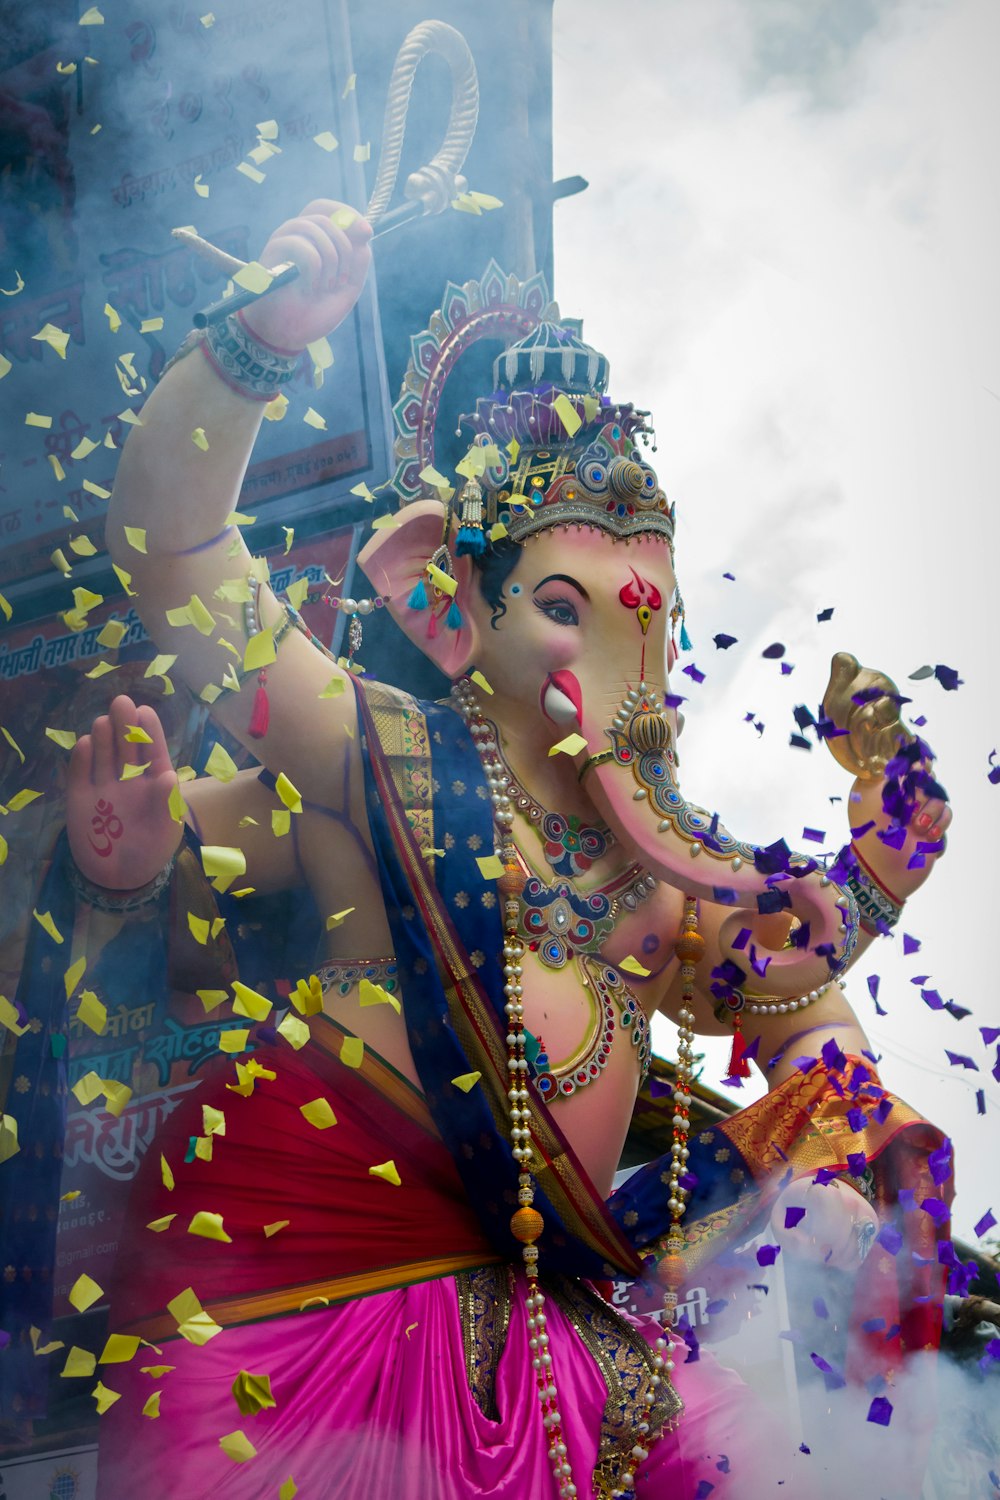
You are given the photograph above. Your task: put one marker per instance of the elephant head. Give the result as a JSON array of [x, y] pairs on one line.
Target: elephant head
[[571, 627]]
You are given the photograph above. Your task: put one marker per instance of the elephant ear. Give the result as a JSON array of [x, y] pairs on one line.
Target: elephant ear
[[395, 560]]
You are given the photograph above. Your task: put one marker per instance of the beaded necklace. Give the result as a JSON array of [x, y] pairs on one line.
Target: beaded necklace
[[527, 1223]]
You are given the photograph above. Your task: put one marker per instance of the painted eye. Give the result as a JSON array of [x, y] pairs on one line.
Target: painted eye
[[559, 611]]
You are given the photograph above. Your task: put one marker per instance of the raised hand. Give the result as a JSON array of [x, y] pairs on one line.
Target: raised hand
[[331, 250], [874, 728], [121, 833]]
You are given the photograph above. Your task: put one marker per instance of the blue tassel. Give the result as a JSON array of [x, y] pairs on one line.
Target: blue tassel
[[470, 542], [418, 599], [454, 616], [685, 638]]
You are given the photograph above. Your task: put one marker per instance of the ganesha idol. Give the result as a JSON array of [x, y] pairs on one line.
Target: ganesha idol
[[516, 884]]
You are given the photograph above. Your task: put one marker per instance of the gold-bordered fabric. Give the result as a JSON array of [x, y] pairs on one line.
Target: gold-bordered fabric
[[484, 1303]]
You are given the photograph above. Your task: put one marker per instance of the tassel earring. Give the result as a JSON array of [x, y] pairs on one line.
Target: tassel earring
[[471, 540]]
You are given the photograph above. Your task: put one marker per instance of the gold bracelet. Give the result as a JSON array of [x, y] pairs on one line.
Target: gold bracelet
[[600, 759]]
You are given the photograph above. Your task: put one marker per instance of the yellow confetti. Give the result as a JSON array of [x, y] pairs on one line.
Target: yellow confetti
[[70, 1197], [60, 474], [8, 1138], [6, 606], [213, 1121], [288, 794], [334, 688], [289, 538], [466, 1081], [363, 153], [176, 805], [156, 1371], [288, 1489], [82, 546], [374, 994], [208, 19], [12, 742], [312, 418], [78, 1362], [237, 1446], [490, 866], [234, 1040], [125, 579], [119, 1349], [5, 365], [59, 559], [9, 1017], [151, 1406], [84, 1292], [130, 771], [159, 666], [199, 439], [249, 171], [3, 850], [442, 580], [198, 927], [114, 321], [112, 635], [166, 1175], [567, 414], [104, 1397], [44, 918], [209, 1227], [307, 996], [387, 1171], [270, 1230], [267, 130], [135, 734], [159, 1225], [318, 1112], [249, 1003], [259, 651], [212, 999], [21, 799], [92, 17], [252, 1393], [295, 1032], [480, 681], [88, 1088], [276, 408], [92, 1012], [338, 917], [220, 764], [35, 419], [352, 1052], [633, 966], [47, 1348], [326, 140], [151, 325], [201, 188], [73, 975], [193, 1323], [54, 337], [18, 286], [222, 864], [571, 745], [281, 822], [96, 489], [116, 1095], [349, 85]]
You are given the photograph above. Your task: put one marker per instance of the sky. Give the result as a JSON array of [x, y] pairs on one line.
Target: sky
[[788, 251]]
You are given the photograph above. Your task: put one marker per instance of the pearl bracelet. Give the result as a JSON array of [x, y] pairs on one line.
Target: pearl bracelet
[[770, 1005]]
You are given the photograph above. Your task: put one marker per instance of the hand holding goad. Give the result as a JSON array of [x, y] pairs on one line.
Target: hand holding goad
[[121, 833], [329, 243]]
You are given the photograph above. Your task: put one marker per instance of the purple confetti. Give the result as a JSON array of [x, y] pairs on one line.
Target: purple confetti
[[833, 1057], [986, 1222], [959, 1060], [674, 700], [787, 669], [804, 1449], [724, 641], [831, 1375], [932, 999], [659, 1090], [883, 1110], [906, 1200], [980, 1101], [804, 1064], [814, 835], [873, 1325], [773, 652], [856, 1118], [692, 671], [880, 1411], [989, 1034], [798, 742], [741, 939], [939, 1162], [768, 1254], [992, 1352], [937, 1210], [723, 1465], [948, 678], [820, 1308], [730, 576], [857, 1163], [794, 1216], [910, 945], [705, 1488], [890, 1238], [993, 774], [825, 614]]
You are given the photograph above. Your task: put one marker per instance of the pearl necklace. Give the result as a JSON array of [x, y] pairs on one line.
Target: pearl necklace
[[527, 1223]]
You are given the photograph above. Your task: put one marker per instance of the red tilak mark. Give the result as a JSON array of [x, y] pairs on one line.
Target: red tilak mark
[[640, 592], [108, 824]]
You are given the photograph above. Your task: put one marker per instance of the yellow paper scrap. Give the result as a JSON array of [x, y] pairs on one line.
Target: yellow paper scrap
[[307, 996], [234, 1040], [92, 1012], [237, 1446], [125, 579], [44, 918], [480, 681], [151, 325], [176, 805], [166, 1175], [112, 635], [254, 277], [60, 474], [18, 286], [193, 1323], [289, 538], [296, 592], [9, 1017], [92, 17], [78, 1362], [151, 1406], [272, 1229], [281, 822], [198, 927], [363, 153], [208, 19], [295, 1032], [209, 1227], [334, 688], [288, 793], [571, 745], [21, 799], [116, 1095], [159, 1225], [276, 408], [249, 171], [64, 738], [374, 994], [114, 321], [321, 354], [8, 1137], [35, 419], [312, 418], [119, 1349], [250, 1003], [252, 1393], [159, 666], [213, 1121], [96, 489], [54, 337], [199, 439], [338, 917], [212, 999], [222, 864], [6, 606], [490, 866], [352, 1052], [260, 650], [327, 140], [156, 1372], [388, 522], [434, 478], [136, 735], [387, 1171], [59, 559], [104, 1397], [442, 580], [47, 1348], [288, 1489], [567, 414], [632, 966], [70, 1197], [220, 764], [84, 1292], [130, 771], [466, 1081], [318, 1112], [82, 546], [12, 742], [3, 850], [201, 188], [88, 1088]]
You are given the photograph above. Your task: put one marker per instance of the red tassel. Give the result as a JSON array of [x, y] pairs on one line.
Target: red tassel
[[738, 1065], [432, 625], [260, 718]]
